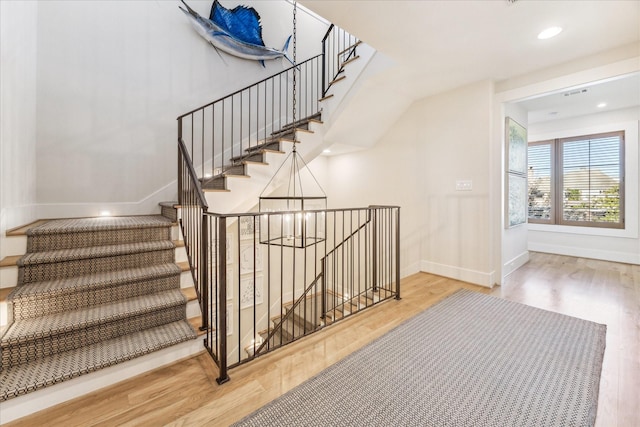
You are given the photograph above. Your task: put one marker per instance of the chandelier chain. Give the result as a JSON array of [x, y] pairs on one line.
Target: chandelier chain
[[295, 7]]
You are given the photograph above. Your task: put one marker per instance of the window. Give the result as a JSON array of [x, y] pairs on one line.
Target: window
[[577, 181]]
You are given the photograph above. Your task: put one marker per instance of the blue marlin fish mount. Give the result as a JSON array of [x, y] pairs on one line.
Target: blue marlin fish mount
[[237, 32]]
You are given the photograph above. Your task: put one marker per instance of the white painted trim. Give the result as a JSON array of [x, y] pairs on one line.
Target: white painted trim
[[28, 404], [486, 279], [569, 81], [145, 206], [410, 269], [581, 252], [515, 263]]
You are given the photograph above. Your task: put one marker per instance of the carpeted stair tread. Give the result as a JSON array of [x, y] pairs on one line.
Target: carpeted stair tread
[[64, 294], [27, 377], [91, 252], [94, 281], [66, 322], [79, 225], [87, 232]]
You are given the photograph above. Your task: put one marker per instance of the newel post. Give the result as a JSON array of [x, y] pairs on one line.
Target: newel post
[[398, 253], [203, 269], [179, 162], [221, 331]]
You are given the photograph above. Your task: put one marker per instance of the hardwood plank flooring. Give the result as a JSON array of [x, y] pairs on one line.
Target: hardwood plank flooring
[[186, 394]]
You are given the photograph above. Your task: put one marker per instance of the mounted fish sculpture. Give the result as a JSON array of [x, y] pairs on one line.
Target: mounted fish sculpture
[[236, 31]]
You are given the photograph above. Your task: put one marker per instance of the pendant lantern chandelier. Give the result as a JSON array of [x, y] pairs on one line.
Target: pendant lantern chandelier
[[294, 221]]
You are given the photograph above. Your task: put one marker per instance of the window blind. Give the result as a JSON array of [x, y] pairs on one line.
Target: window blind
[[577, 181]]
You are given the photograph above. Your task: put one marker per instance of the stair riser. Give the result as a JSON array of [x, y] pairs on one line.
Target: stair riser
[[34, 306], [254, 157], [296, 328], [217, 183], [275, 146], [311, 312], [277, 340], [169, 212], [65, 269], [36, 348], [49, 242]]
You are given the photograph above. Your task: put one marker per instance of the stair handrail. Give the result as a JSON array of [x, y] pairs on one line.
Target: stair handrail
[[335, 42], [288, 314], [344, 241], [193, 177], [196, 222], [248, 87]]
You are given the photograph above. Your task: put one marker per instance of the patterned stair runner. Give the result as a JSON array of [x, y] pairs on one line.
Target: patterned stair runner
[[92, 292]]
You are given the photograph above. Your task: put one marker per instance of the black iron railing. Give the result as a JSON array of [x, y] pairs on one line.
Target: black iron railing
[[338, 47], [263, 296], [193, 206], [221, 135]]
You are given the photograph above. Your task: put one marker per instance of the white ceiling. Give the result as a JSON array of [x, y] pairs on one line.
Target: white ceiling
[[616, 94], [443, 44]]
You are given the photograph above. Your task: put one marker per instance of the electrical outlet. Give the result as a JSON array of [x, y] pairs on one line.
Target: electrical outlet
[[464, 185]]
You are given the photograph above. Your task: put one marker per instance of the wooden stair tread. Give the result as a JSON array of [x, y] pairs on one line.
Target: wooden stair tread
[[230, 175], [254, 162], [215, 190], [10, 261], [4, 293], [324, 98], [338, 79], [195, 323], [178, 243], [303, 130], [22, 230], [184, 266], [351, 59], [189, 293]]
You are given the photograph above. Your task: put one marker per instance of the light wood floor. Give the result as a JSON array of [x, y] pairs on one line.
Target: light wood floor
[[186, 394]]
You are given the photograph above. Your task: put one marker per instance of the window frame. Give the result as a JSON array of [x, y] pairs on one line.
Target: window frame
[[556, 216]]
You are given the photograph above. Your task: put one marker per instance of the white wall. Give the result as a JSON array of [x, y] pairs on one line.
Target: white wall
[[415, 165], [112, 78], [613, 245], [384, 175], [17, 115]]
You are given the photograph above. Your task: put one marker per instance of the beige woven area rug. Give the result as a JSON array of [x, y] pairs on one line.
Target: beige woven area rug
[[470, 360]]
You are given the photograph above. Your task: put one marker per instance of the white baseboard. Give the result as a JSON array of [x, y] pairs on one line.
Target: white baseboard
[[147, 205], [30, 403], [410, 269], [515, 263], [623, 257], [481, 278]]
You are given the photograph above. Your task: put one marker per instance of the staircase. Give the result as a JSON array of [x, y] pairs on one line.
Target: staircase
[[95, 292], [257, 154], [305, 317], [91, 293], [242, 135]]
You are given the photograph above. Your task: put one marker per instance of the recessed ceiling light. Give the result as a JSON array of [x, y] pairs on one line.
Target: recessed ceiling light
[[326, 151], [602, 105], [549, 32]]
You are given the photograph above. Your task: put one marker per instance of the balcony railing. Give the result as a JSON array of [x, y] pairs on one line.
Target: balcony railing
[[262, 296]]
